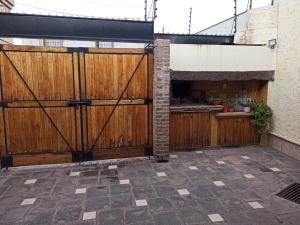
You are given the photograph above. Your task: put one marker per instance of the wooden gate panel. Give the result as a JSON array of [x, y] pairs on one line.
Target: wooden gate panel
[[50, 76], [107, 75], [127, 126], [29, 130]]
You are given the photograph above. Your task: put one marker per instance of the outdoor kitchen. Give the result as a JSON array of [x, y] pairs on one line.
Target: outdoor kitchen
[[211, 102]]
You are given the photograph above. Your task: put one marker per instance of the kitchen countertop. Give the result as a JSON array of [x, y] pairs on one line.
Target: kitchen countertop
[[195, 108], [232, 114]]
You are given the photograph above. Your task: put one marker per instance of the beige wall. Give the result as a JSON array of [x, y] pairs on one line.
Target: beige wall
[[284, 92]]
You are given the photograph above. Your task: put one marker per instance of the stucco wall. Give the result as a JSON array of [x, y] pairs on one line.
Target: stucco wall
[[284, 92]]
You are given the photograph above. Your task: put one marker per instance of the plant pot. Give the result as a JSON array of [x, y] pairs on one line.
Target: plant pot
[[225, 108], [247, 109]]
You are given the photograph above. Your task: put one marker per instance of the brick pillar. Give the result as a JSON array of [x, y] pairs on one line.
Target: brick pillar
[[161, 99]]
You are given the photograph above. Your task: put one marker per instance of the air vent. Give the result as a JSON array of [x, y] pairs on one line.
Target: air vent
[[291, 193]]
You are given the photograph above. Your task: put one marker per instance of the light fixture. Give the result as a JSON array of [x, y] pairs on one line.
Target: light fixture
[[272, 43]]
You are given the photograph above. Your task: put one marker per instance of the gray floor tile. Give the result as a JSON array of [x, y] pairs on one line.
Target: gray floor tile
[[95, 204], [166, 218], [139, 214], [160, 204], [68, 214], [110, 217], [122, 201], [120, 189], [144, 192]]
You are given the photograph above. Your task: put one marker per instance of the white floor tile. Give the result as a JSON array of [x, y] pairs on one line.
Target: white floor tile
[[221, 162], [80, 191], [183, 191], [30, 181], [141, 202], [249, 176], [245, 157], [219, 183], [255, 205], [74, 174], [173, 156], [124, 181], [28, 201], [161, 174], [89, 215], [193, 167], [199, 152], [215, 218], [113, 167], [274, 169]]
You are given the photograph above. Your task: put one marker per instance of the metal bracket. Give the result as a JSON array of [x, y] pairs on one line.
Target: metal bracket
[[148, 151], [148, 50], [6, 161], [3, 104], [85, 50], [79, 156], [75, 103], [148, 101]]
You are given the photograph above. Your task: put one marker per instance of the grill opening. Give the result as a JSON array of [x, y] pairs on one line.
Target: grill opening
[[291, 193]]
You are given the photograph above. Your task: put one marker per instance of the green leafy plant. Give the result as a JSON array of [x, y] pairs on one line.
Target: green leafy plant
[[262, 115], [230, 102]]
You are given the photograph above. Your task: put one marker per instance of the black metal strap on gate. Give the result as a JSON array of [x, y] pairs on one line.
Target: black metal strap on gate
[[37, 100], [117, 103]]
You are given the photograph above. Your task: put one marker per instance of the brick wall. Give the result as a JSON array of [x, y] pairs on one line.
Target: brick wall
[[161, 99]]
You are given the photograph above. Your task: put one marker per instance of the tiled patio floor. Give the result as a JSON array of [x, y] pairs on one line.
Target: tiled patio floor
[[235, 186]]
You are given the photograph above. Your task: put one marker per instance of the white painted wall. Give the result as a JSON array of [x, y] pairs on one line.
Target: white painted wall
[[260, 27], [186, 57], [284, 92]]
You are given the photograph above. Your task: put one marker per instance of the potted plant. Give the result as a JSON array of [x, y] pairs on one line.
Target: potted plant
[[230, 103], [225, 107], [262, 115], [246, 105]]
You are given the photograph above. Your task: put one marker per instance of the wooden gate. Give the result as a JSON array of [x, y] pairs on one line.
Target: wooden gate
[[60, 104]]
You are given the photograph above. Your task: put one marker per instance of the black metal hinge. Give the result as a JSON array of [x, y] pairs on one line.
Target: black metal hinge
[[85, 50], [3, 104], [148, 101], [6, 161], [148, 50], [148, 151], [79, 156]]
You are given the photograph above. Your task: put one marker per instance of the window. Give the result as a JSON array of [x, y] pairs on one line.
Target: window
[[53, 43]]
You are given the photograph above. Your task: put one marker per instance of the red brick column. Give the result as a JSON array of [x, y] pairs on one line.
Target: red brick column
[[161, 99]]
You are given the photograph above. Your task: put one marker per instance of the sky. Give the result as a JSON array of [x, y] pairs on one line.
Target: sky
[[172, 15]]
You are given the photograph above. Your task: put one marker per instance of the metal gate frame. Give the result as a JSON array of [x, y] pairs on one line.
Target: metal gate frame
[[80, 106]]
